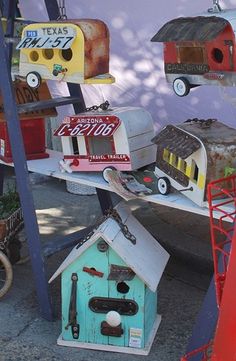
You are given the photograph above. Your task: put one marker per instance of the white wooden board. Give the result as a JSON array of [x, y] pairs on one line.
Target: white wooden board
[[147, 258], [130, 350], [50, 167]]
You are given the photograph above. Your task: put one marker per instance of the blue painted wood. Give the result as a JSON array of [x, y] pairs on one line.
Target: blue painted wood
[[105, 200], [204, 328], [23, 184], [205, 324], [52, 9], [11, 7], [60, 243]]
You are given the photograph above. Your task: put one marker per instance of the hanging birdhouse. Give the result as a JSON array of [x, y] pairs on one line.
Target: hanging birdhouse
[[109, 288], [119, 138], [199, 50], [75, 51], [192, 154]]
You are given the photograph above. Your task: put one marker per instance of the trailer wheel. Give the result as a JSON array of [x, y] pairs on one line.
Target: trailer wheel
[[33, 79], [181, 87], [55, 72], [163, 185], [6, 274], [104, 173]]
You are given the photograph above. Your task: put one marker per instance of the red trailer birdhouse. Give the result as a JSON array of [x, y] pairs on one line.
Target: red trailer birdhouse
[[199, 50]]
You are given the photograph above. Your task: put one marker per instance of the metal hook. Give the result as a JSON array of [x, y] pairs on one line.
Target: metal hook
[[216, 7], [62, 10]]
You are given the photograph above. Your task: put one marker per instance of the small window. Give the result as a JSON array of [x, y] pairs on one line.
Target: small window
[[166, 155], [182, 165], [217, 55], [66, 54], [34, 56], [75, 145], [100, 145], [173, 160], [191, 55], [194, 172]]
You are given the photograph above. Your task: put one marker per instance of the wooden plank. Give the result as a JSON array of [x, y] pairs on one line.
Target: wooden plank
[[88, 286], [26, 95], [128, 350], [147, 258], [136, 293], [50, 167]]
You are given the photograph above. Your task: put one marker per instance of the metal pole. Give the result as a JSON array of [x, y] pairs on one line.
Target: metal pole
[[23, 184]]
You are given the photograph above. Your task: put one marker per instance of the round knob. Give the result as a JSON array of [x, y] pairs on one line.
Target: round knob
[[113, 318]]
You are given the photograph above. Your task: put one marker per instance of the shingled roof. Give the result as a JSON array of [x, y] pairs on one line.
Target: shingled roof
[[177, 141], [199, 28]]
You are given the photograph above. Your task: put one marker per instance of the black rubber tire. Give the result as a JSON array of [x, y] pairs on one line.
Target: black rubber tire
[[163, 185], [184, 83], [110, 168], [33, 79]]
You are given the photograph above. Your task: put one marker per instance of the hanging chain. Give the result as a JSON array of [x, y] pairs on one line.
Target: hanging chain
[[111, 213], [216, 7], [3, 244], [124, 229], [62, 10], [103, 106], [204, 123]]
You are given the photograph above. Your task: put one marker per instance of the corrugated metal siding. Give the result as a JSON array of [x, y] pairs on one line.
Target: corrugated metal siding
[[177, 141], [198, 28]]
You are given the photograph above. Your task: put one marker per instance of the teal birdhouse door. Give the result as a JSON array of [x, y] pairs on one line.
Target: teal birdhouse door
[[92, 271]]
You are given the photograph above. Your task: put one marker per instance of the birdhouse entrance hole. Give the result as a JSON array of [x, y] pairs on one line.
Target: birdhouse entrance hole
[[217, 55], [122, 287]]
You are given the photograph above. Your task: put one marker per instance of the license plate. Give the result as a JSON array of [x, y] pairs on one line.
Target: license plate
[[94, 127], [46, 42]]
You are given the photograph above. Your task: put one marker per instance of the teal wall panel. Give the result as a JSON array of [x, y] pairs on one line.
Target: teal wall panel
[[89, 286], [150, 311], [136, 292]]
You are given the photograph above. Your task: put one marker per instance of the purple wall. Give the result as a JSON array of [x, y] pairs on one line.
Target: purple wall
[[137, 63]]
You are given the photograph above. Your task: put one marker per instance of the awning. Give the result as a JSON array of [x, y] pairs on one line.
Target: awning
[[200, 28], [177, 141]]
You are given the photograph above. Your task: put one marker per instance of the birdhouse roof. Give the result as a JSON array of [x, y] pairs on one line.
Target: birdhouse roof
[[198, 28], [147, 258], [186, 138], [177, 141]]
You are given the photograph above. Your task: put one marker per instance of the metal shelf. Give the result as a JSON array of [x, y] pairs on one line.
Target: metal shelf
[[47, 104]]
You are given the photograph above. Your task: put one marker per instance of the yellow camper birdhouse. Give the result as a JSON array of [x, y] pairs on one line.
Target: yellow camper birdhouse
[[75, 51]]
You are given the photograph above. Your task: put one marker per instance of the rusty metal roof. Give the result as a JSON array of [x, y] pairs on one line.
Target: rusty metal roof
[[215, 133], [199, 28], [177, 141]]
